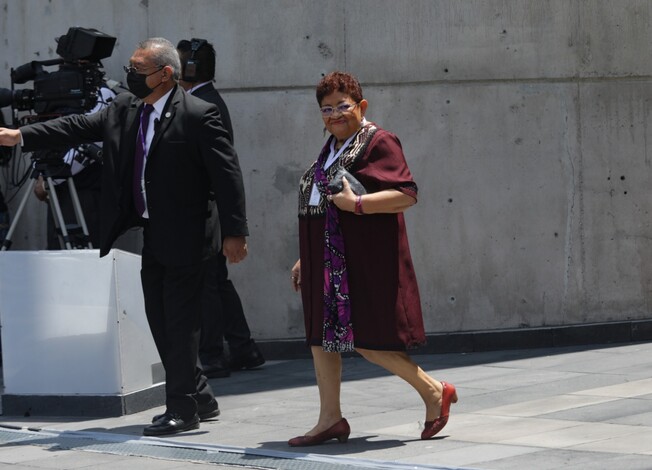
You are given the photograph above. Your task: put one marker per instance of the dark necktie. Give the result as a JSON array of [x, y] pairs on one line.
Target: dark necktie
[[139, 160]]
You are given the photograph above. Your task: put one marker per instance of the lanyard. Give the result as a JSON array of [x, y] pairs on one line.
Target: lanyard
[[335, 155], [315, 197]]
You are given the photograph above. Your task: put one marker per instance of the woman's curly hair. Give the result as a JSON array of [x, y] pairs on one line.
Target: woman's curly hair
[[339, 81]]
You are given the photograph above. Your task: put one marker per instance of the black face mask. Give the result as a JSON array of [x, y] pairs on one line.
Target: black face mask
[[138, 86]]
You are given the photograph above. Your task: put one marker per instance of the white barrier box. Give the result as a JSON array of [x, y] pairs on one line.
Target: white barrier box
[[75, 339]]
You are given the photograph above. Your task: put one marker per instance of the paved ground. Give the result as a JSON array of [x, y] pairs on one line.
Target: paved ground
[[572, 408]]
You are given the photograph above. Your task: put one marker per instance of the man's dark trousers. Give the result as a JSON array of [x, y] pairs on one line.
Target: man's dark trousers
[[223, 315], [173, 309]]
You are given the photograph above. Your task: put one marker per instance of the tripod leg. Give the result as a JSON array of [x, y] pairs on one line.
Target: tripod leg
[[56, 212], [55, 219], [78, 212], [6, 244]]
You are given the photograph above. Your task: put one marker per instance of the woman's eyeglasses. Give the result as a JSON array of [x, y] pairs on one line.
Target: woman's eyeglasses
[[327, 111]]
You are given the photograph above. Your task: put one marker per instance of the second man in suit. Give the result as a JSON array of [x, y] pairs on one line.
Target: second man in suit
[[222, 312]]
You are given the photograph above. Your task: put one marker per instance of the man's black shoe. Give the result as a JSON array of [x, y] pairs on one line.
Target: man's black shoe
[[216, 368], [206, 411], [249, 359], [171, 424]]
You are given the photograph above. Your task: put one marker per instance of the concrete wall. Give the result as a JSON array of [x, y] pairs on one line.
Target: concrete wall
[[525, 123]]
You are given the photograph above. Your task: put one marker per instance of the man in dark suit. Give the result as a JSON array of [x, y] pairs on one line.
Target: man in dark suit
[[158, 170], [223, 315]]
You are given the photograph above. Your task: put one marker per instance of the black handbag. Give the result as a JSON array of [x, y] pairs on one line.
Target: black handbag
[[336, 185]]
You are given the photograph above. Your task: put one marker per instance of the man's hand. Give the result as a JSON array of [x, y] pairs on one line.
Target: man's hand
[[234, 249], [9, 137], [39, 189]]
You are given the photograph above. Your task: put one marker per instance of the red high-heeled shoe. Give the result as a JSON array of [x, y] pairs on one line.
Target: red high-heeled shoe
[[339, 431], [449, 395]]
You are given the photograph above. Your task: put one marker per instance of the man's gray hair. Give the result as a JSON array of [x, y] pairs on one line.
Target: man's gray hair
[[164, 54]]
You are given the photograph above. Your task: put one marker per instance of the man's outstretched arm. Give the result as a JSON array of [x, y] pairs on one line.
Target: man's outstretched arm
[[9, 137]]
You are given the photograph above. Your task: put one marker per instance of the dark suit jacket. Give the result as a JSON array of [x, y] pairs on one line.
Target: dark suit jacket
[[190, 154], [208, 93]]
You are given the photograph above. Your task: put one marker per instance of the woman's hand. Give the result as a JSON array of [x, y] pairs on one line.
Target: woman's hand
[[295, 276], [345, 199]]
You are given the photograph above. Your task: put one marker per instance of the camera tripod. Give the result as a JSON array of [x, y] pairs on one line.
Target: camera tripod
[[65, 232]]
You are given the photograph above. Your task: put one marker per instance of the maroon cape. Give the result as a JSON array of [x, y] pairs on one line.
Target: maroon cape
[[385, 303]]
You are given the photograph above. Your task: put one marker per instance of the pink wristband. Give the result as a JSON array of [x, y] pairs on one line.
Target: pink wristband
[[358, 205]]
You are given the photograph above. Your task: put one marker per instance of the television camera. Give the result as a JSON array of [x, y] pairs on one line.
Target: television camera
[[73, 88]]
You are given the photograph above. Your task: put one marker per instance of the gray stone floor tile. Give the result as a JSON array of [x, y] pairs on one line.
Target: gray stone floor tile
[[492, 399], [641, 419], [474, 456], [372, 417], [575, 384], [529, 378], [604, 412], [501, 428], [629, 388], [545, 405], [636, 443], [450, 455], [566, 460], [577, 434], [602, 362], [481, 374]]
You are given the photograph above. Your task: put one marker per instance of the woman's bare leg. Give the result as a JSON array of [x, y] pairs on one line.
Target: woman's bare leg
[[400, 364], [328, 370]]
